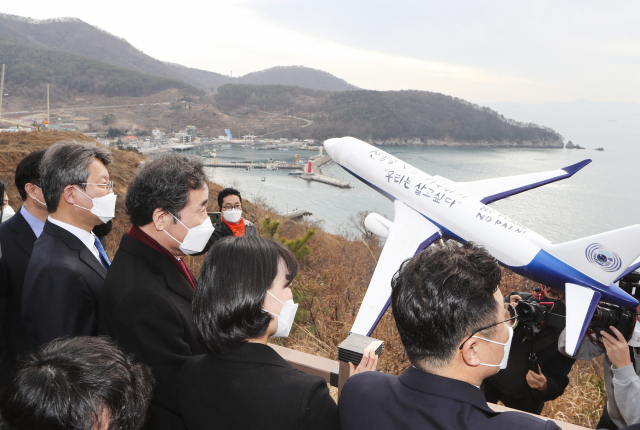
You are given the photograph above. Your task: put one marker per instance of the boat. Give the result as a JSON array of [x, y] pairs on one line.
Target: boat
[[295, 173], [263, 179], [599, 149]]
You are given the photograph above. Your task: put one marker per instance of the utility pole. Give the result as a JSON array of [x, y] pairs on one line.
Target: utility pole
[[1, 90], [48, 120]]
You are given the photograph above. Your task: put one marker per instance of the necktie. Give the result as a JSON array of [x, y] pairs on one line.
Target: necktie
[[103, 255]]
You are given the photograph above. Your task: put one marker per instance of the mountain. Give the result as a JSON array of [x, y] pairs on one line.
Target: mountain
[[74, 36], [387, 117], [29, 70], [297, 76]]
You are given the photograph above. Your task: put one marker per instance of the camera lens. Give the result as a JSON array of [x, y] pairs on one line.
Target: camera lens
[[604, 317], [526, 311]]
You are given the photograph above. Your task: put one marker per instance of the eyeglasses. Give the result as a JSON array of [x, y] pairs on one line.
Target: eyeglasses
[[510, 320], [108, 184], [229, 207]]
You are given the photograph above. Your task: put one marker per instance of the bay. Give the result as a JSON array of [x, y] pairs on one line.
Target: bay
[[603, 196]]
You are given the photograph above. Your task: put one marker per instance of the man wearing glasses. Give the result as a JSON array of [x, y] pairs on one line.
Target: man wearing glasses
[[230, 204], [456, 331], [68, 265]]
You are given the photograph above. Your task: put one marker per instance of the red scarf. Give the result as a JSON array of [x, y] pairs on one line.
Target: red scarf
[[139, 235], [236, 229]]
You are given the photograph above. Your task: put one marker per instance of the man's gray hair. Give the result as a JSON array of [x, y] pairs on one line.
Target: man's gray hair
[[164, 182], [67, 163]]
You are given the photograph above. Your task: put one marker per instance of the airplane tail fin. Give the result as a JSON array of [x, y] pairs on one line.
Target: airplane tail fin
[[581, 304], [604, 257]]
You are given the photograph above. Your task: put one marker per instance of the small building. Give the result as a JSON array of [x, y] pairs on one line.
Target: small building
[[157, 134], [127, 140], [192, 131]]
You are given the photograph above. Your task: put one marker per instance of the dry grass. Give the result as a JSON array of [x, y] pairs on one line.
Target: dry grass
[[331, 284]]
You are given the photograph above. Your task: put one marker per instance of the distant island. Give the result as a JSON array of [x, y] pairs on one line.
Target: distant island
[[571, 145]]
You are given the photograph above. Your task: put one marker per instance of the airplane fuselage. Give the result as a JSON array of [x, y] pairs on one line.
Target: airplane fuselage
[[444, 204]]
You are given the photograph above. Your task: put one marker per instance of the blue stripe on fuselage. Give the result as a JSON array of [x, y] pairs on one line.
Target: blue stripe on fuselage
[[550, 271]]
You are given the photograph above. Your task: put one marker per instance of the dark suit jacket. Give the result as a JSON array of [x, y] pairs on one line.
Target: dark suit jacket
[[420, 400], [61, 288], [16, 243], [146, 308], [253, 388]]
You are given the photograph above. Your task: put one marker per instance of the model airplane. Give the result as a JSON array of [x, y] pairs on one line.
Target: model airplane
[[429, 207]]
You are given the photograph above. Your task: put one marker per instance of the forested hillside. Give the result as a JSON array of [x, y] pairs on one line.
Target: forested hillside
[[29, 70], [389, 115], [74, 36]]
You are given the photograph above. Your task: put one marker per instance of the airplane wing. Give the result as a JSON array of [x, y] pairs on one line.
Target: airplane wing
[[491, 190], [409, 234], [581, 304]]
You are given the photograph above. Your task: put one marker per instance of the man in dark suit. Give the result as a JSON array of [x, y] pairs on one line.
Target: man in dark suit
[[17, 236], [456, 332], [146, 302], [68, 265], [230, 206]]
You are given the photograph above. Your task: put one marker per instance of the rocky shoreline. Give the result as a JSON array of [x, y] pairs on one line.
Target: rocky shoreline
[[415, 142]]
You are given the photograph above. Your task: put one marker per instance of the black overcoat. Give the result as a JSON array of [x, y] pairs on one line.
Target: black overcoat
[[146, 309], [253, 387]]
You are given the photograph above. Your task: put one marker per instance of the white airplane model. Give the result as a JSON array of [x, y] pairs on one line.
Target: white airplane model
[[429, 207]]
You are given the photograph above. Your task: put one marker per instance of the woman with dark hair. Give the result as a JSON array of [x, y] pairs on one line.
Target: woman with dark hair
[[243, 298]]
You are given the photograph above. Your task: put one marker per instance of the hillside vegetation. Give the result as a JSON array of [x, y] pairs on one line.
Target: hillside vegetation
[[29, 70], [389, 116]]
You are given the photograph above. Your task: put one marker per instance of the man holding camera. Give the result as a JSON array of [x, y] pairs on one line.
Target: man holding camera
[[621, 367], [536, 371]]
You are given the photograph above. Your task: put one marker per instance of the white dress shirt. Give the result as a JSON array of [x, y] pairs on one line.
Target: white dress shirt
[[86, 237]]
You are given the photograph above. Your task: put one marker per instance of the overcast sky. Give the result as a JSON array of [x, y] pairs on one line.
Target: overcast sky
[[482, 51]]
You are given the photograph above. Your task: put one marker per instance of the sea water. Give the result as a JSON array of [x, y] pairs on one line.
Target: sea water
[[602, 196]]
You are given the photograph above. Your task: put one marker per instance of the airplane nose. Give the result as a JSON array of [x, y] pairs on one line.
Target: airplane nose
[[330, 146]]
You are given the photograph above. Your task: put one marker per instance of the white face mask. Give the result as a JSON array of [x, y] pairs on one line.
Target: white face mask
[[286, 317], [196, 238], [33, 197], [103, 207], [232, 215], [507, 348]]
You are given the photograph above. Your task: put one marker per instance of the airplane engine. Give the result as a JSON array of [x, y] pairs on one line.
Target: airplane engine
[[378, 225]]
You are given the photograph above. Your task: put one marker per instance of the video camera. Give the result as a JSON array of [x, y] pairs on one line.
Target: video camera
[[607, 315], [537, 314], [623, 319]]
